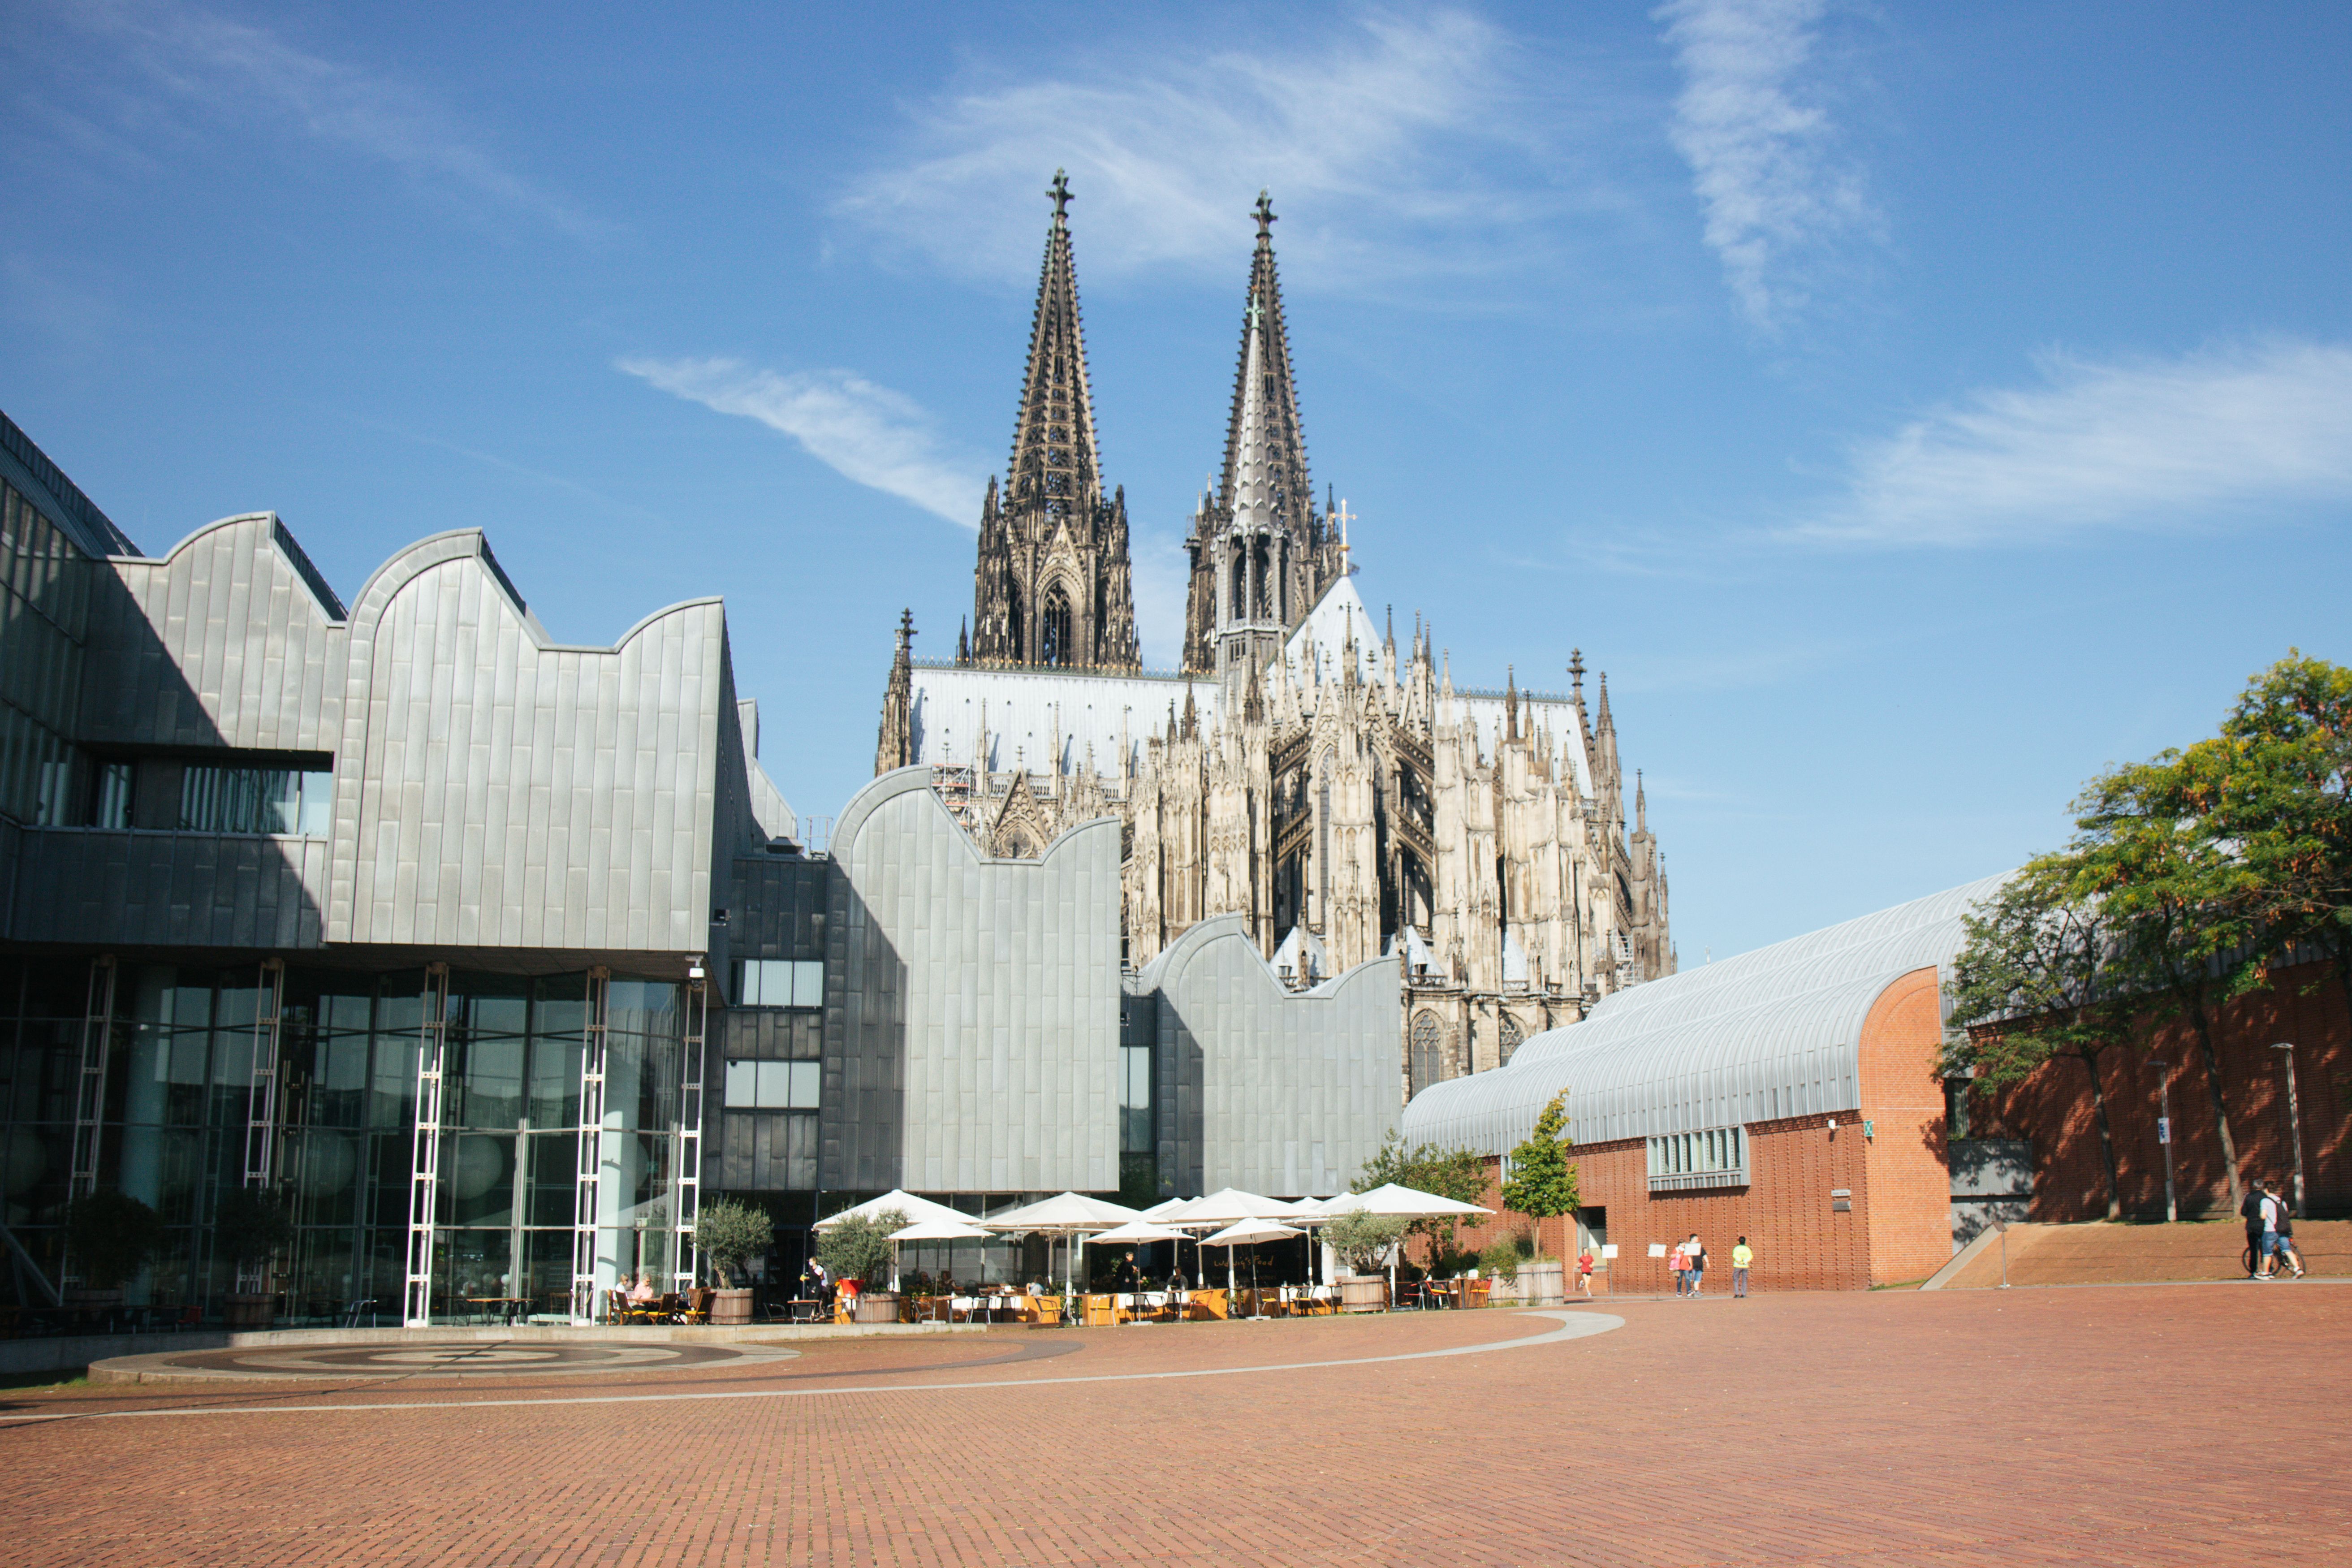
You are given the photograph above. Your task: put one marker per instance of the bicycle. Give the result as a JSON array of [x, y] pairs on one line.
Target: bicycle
[[2289, 1265]]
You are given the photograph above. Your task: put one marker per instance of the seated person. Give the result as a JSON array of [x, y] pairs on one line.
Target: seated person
[[642, 1290]]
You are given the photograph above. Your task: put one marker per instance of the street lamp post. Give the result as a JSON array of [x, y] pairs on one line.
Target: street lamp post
[[2164, 1137], [2294, 1123]]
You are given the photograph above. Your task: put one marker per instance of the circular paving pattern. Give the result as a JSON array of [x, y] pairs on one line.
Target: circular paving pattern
[[478, 1358]]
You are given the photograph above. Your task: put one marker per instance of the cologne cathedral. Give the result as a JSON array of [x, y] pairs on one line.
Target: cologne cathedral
[[1337, 791]]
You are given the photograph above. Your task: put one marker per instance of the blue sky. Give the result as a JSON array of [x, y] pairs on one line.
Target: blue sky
[[1912, 407]]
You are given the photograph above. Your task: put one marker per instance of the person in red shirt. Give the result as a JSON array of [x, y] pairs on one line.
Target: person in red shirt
[[1584, 1273]]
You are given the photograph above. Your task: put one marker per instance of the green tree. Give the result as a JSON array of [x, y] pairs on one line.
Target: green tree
[[2040, 978], [109, 1236], [1456, 1174], [1543, 1184], [2279, 787], [249, 1225], [854, 1247], [2183, 902], [731, 1233]]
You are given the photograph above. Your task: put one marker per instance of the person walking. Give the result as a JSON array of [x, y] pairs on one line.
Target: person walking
[[1697, 1263], [2287, 1255], [2252, 1211], [1584, 1261], [1742, 1257], [1678, 1261]]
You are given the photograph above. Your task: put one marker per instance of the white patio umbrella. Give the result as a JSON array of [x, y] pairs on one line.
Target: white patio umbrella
[[939, 1230], [1398, 1203], [1065, 1215], [916, 1209], [1247, 1233]]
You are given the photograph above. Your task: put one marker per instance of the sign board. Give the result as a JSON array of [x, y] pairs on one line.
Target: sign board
[[1657, 1249], [2164, 1129], [1608, 1249]]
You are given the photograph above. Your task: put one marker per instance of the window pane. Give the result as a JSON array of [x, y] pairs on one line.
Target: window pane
[[318, 804], [808, 984], [806, 1078], [742, 984], [775, 1085], [742, 1083]]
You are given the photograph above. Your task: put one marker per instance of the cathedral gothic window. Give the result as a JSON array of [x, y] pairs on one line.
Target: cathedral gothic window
[[1054, 629], [1509, 1040], [1428, 1062]]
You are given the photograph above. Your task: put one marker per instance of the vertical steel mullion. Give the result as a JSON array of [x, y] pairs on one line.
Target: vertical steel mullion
[[686, 1178], [589, 1167], [261, 1104], [424, 1167], [89, 1090]]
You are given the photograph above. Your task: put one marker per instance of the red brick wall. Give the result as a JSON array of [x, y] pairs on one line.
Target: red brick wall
[[1800, 1242], [2053, 1109], [1903, 1097]]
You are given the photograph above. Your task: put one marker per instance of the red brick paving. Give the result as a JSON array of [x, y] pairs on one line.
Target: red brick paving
[[2189, 1425]]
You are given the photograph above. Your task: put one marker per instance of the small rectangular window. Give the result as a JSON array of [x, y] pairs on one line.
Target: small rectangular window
[[806, 1078], [743, 1085], [775, 1085]]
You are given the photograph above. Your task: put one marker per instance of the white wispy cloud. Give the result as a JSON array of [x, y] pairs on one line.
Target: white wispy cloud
[[868, 434], [1777, 194], [221, 66], [1403, 126], [2139, 443]]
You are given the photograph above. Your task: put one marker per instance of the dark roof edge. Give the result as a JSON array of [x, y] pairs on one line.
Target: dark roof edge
[[79, 516]]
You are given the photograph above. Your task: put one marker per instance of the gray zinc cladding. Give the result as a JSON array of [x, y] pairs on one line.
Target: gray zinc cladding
[[492, 788], [979, 1038], [1276, 1091]]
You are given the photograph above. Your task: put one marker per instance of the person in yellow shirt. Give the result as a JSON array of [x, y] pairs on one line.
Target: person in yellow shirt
[[1741, 1256]]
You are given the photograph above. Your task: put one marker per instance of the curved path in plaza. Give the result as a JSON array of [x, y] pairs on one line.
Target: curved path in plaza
[[2164, 1425]]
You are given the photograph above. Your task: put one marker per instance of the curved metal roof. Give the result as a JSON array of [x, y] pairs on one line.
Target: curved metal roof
[[1769, 1034]]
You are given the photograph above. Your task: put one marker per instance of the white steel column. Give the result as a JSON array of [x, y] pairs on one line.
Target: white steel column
[[686, 1176], [261, 1101], [89, 1094], [424, 1165], [589, 1164]]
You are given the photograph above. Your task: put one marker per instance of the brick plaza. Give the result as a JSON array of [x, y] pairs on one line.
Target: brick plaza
[[2190, 1424]]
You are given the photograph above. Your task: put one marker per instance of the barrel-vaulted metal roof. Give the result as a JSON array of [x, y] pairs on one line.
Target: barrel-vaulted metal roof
[[1769, 1034]]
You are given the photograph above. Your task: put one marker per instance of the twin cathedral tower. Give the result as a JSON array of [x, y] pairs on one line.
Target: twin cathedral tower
[[1341, 796]]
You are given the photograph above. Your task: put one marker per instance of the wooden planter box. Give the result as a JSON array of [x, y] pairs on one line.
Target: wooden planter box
[[877, 1307], [250, 1309], [1363, 1293], [731, 1306], [1542, 1284]]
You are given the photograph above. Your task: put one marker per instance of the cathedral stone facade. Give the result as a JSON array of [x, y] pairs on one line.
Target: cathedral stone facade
[[1338, 794]]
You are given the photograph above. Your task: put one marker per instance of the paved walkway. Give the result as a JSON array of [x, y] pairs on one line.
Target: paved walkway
[[1895, 1427], [2105, 1254]]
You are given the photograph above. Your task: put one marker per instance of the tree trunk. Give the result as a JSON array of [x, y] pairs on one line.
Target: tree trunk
[[2106, 1138], [2220, 1109]]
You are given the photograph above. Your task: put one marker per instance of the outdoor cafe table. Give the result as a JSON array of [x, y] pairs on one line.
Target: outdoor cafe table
[[497, 1306]]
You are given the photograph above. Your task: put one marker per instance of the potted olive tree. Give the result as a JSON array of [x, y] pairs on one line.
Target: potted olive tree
[[249, 1225], [731, 1234], [109, 1235], [1363, 1242], [857, 1248], [1542, 1186]]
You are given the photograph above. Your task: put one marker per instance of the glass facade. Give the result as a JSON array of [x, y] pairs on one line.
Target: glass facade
[[179, 1098], [45, 585]]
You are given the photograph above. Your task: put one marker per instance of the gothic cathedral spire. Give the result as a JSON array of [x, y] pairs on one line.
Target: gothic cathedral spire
[[1278, 445], [1052, 587]]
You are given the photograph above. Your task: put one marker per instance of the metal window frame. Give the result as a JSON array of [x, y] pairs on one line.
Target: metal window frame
[[89, 1091]]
